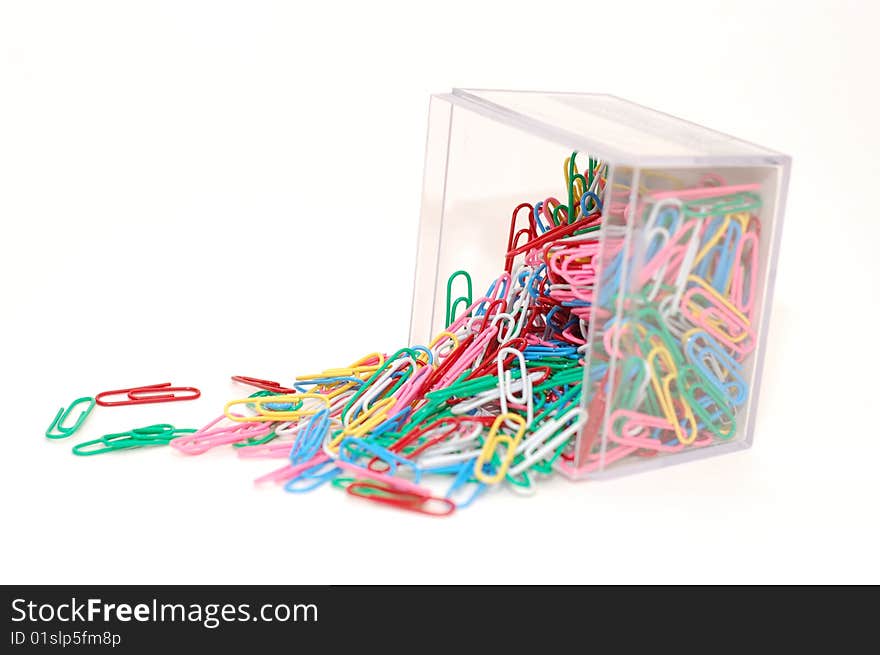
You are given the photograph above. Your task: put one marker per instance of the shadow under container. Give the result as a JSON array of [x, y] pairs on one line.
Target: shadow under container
[[673, 286]]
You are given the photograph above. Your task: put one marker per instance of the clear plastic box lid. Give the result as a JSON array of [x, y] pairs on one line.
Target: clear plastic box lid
[[616, 129]]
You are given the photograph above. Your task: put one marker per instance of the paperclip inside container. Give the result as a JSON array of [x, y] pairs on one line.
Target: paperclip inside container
[[488, 151]]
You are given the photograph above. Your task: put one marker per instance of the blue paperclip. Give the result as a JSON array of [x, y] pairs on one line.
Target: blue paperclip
[[611, 281], [550, 319], [539, 402], [308, 441], [462, 478], [391, 424], [276, 407], [568, 396], [725, 264], [282, 407], [537, 352], [533, 291], [538, 223], [316, 475], [482, 307], [425, 350], [674, 216], [574, 320], [353, 448], [589, 195], [597, 371], [655, 243], [711, 230], [736, 389]]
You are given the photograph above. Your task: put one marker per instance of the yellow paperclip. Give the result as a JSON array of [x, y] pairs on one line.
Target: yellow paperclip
[[445, 334], [493, 441], [366, 370], [673, 418], [660, 349], [335, 393], [265, 415], [366, 421], [578, 188], [722, 229], [662, 176], [355, 370], [662, 387], [620, 186], [744, 219], [741, 217], [710, 291]]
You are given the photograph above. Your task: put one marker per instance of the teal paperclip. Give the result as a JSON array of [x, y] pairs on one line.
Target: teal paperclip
[[58, 431]]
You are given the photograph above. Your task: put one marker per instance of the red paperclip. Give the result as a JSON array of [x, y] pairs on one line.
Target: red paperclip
[[150, 393], [266, 385], [409, 501]]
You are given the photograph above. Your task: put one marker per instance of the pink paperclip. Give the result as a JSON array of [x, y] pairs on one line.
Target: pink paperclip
[[569, 334], [702, 192], [736, 287], [397, 483], [664, 255], [288, 471], [468, 313], [611, 341], [741, 345], [535, 340], [196, 444], [209, 426], [548, 213], [271, 450], [411, 389], [533, 258], [211, 431], [647, 443], [594, 461], [502, 282]]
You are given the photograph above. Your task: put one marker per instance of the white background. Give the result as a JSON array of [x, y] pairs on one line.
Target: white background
[[191, 190]]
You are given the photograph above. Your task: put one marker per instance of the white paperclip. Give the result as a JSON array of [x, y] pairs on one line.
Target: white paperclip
[[684, 269], [543, 441], [377, 387], [507, 377]]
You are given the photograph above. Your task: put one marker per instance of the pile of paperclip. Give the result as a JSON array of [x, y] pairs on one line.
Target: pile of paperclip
[[495, 399]]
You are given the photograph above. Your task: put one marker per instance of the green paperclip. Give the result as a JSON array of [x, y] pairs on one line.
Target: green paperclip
[[524, 481], [250, 441], [64, 414], [729, 204], [152, 435], [720, 400], [451, 305], [572, 177], [341, 482], [404, 376]]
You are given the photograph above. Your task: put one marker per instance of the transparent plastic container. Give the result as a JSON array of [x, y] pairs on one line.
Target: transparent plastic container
[[681, 269]]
